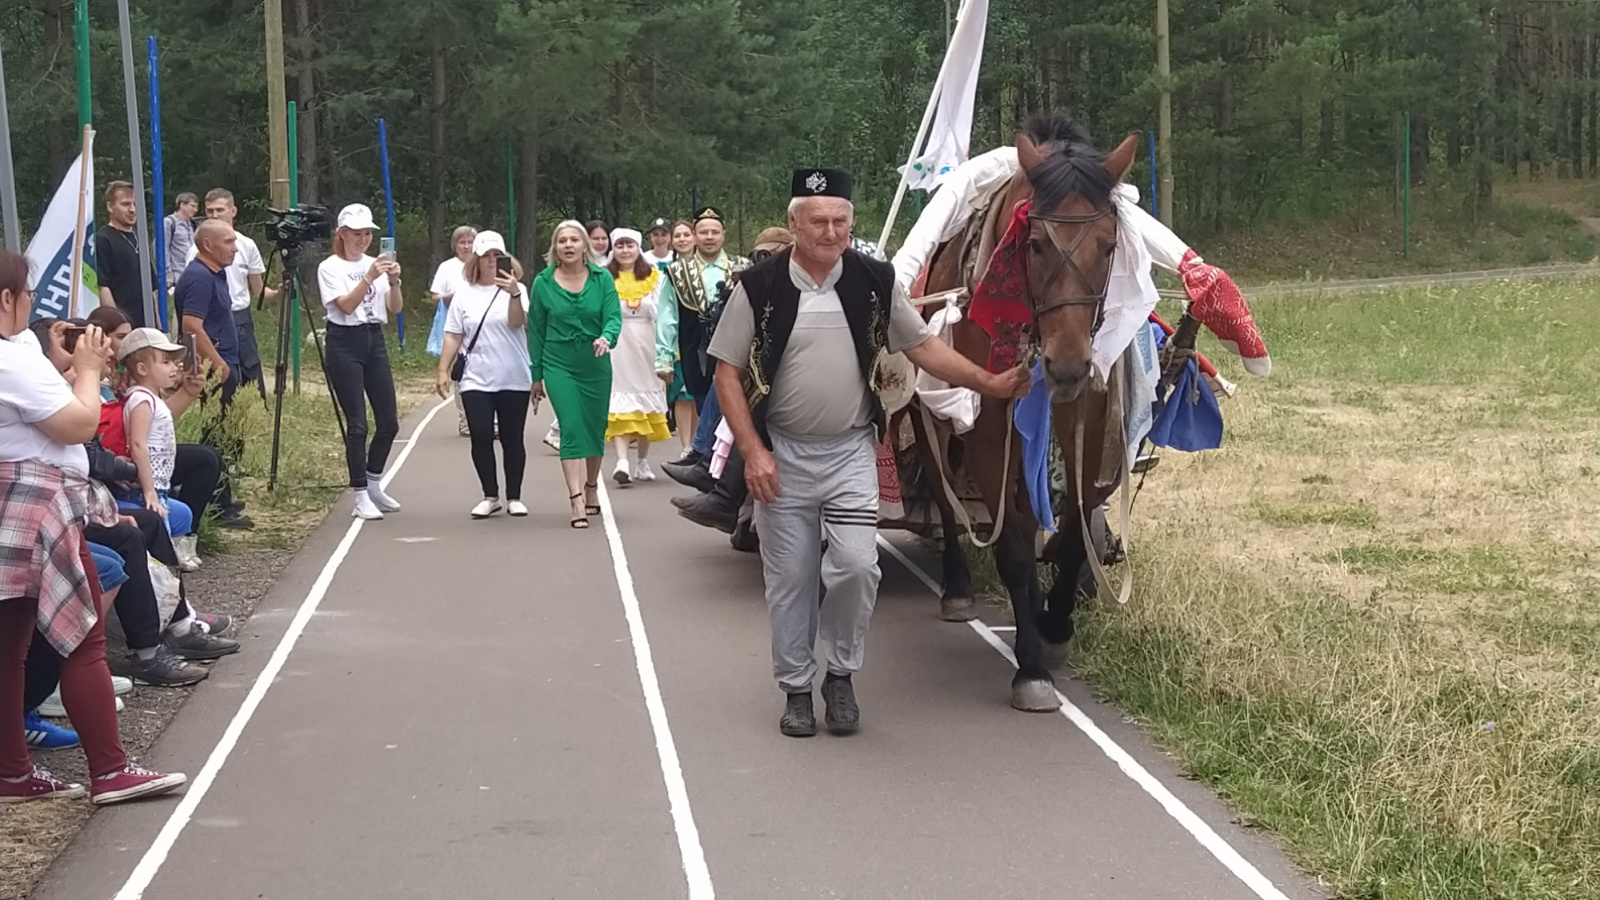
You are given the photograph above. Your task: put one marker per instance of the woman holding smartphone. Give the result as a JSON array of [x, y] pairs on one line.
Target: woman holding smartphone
[[488, 326], [359, 292]]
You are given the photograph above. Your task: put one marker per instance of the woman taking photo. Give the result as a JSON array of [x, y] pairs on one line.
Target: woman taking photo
[[487, 326], [47, 578], [358, 294], [638, 405], [573, 320]]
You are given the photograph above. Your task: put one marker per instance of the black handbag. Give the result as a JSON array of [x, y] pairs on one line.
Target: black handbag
[[458, 366]]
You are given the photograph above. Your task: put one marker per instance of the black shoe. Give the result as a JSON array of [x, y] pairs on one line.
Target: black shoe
[[798, 719], [234, 519], [197, 643], [843, 715], [696, 475], [745, 539], [164, 669], [708, 510]]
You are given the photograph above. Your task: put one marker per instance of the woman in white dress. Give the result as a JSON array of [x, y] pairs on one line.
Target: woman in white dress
[[638, 413]]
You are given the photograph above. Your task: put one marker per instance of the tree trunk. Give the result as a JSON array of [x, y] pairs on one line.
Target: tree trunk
[[528, 247], [1421, 136], [306, 105], [436, 155], [61, 140], [1325, 137]]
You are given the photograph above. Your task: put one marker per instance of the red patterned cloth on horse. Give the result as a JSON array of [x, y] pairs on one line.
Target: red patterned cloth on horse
[[1000, 299], [1220, 306]]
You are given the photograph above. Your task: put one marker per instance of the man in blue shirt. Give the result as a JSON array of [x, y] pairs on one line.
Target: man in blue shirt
[[205, 306]]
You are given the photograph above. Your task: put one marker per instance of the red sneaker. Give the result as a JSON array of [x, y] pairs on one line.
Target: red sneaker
[[132, 782], [37, 785]]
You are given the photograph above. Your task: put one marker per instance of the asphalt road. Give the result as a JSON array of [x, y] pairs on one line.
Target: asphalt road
[[433, 707]]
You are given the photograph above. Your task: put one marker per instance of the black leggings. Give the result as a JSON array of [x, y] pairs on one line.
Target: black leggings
[[358, 374], [198, 481], [511, 409]]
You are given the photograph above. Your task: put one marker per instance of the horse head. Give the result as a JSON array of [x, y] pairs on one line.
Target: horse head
[[1072, 234]]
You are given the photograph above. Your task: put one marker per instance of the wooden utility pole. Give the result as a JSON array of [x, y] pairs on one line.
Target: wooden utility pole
[[1164, 111], [277, 108]]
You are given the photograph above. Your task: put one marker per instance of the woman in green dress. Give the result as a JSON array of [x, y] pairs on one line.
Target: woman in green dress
[[574, 318]]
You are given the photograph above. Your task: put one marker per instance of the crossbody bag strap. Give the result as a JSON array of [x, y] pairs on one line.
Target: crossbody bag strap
[[474, 342]]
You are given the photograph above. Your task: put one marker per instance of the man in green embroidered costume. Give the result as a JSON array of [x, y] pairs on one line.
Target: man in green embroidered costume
[[796, 350]]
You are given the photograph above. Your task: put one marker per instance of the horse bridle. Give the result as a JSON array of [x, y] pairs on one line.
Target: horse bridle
[[1097, 300]]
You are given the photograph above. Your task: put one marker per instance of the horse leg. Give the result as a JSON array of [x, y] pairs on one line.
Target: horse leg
[[1032, 689], [956, 602], [1071, 556]]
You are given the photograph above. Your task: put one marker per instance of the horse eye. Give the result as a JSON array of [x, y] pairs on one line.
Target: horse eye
[[1035, 247]]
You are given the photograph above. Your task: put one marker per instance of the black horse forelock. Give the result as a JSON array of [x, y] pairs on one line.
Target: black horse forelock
[[1071, 165]]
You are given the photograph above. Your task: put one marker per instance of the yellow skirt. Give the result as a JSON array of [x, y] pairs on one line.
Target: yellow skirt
[[650, 426]]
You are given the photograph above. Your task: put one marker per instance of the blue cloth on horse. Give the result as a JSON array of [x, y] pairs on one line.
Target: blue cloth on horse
[[1189, 419], [1032, 419]]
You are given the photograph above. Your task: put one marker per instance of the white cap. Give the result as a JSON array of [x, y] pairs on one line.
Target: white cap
[[486, 241], [140, 338], [357, 217], [626, 234]]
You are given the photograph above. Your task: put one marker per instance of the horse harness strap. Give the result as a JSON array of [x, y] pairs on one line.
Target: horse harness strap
[[1097, 300], [1091, 551]]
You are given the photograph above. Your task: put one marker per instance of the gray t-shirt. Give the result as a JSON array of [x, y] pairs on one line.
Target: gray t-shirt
[[818, 389]]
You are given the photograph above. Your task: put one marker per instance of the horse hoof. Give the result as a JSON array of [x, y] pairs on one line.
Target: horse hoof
[[1054, 656], [1035, 696], [957, 609]]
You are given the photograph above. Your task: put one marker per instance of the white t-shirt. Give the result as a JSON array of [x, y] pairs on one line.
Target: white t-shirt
[[447, 277], [337, 276], [31, 390], [246, 262], [499, 361], [163, 440], [655, 261]]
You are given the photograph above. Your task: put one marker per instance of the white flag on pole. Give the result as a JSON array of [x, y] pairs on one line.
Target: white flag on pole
[[950, 137], [50, 252]]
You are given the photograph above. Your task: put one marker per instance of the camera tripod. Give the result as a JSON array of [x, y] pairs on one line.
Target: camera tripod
[[289, 255]]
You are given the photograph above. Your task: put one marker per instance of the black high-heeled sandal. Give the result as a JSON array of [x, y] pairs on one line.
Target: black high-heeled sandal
[[591, 509], [581, 521]]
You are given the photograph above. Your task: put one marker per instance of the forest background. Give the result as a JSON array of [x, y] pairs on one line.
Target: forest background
[[1290, 116]]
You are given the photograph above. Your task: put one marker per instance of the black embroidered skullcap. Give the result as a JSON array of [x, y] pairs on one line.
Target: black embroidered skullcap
[[821, 183], [709, 212]]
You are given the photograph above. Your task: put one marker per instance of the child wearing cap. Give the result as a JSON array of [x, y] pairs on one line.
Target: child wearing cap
[[152, 364]]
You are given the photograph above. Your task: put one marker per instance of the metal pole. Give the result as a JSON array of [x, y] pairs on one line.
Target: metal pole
[[294, 200], [511, 195], [1164, 109], [80, 30], [8, 173], [157, 181], [1405, 241], [1155, 185], [136, 158], [277, 107], [388, 202]]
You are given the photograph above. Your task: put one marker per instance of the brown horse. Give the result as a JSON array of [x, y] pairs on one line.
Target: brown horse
[[1072, 235]]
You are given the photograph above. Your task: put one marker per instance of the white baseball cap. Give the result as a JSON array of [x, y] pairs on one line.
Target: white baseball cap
[[357, 217], [486, 241], [140, 338]]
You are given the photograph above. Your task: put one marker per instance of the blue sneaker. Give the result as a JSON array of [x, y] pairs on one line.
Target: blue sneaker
[[43, 735]]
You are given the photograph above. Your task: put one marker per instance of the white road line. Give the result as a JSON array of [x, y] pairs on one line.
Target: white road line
[[694, 856], [151, 862], [1192, 823]]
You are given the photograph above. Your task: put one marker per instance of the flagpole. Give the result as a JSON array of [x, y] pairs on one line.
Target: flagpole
[[156, 179], [77, 228], [388, 202], [8, 175], [916, 144], [80, 28], [136, 158]]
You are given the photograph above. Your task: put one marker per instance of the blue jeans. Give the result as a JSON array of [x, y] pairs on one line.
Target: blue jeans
[[705, 436], [180, 518], [109, 566]]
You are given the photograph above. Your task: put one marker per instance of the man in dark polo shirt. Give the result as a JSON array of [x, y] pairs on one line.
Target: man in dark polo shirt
[[117, 258], [205, 306]]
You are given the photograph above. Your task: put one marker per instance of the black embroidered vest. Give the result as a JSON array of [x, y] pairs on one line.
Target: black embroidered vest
[[866, 290]]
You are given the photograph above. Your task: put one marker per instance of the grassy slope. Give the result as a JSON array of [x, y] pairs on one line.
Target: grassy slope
[[1371, 621]]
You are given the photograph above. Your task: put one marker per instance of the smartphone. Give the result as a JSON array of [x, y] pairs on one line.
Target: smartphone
[[70, 335], [386, 247], [191, 356], [502, 264]]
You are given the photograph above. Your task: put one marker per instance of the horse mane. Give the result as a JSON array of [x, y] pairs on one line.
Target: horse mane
[[1071, 165]]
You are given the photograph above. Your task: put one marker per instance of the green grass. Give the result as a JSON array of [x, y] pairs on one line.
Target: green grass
[[1372, 621]]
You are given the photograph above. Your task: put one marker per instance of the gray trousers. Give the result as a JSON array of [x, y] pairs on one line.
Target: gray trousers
[[828, 488]]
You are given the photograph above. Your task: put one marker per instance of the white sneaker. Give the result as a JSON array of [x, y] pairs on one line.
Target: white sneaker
[[120, 685], [365, 508], [380, 499], [621, 476], [516, 508], [552, 439], [187, 549], [487, 507], [52, 707], [643, 472]]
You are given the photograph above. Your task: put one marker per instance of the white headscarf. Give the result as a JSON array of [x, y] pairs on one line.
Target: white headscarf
[[626, 234]]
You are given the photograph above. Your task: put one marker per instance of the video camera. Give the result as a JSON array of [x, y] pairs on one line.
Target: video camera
[[303, 224]]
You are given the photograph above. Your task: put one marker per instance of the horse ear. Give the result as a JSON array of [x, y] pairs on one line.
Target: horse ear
[[1120, 160], [1027, 152]]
